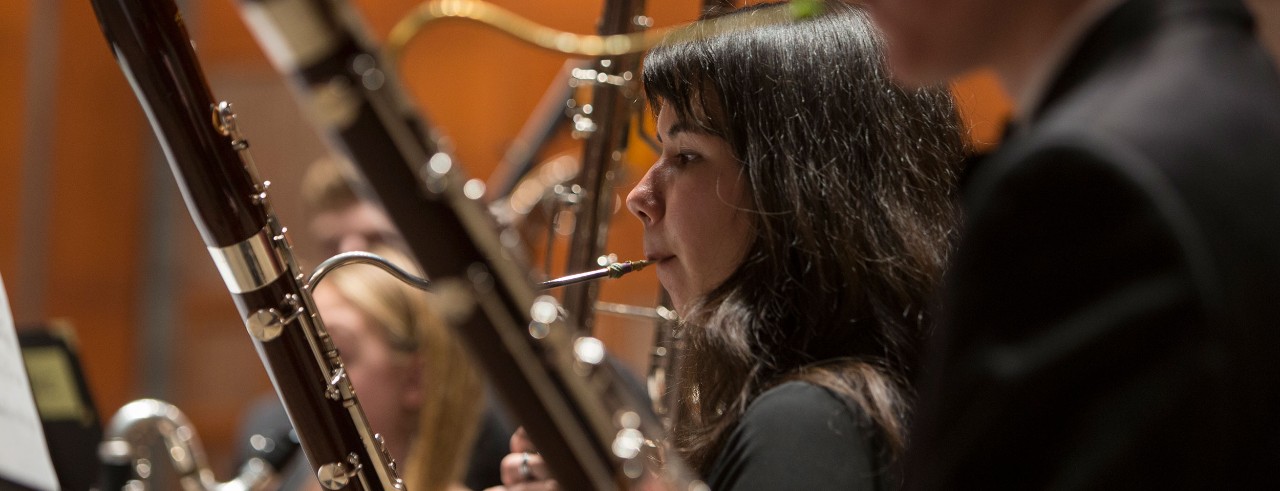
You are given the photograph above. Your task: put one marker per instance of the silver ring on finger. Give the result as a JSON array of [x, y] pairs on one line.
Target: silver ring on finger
[[525, 473]]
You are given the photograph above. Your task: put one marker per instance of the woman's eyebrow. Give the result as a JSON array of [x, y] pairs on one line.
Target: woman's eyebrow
[[678, 127]]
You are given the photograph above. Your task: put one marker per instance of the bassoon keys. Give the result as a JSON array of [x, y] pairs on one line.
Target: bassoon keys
[[229, 204]]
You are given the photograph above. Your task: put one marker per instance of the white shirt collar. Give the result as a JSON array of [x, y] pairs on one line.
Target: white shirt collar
[[1043, 72]]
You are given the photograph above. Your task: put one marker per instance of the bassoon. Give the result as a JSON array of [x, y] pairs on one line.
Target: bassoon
[[229, 204], [613, 100]]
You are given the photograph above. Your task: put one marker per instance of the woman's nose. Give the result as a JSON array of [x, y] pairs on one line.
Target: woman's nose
[[353, 241], [644, 201]]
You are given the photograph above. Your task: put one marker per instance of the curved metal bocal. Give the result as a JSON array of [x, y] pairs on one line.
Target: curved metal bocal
[[615, 270]]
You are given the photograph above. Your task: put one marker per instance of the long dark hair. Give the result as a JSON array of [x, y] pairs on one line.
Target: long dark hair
[[851, 181]]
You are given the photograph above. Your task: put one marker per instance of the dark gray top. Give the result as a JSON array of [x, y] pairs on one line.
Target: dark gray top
[[798, 436]]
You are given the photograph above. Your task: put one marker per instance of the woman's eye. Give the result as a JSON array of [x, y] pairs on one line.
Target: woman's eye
[[686, 157]]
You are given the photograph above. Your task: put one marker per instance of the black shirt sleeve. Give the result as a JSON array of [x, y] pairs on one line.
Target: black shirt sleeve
[[797, 436]]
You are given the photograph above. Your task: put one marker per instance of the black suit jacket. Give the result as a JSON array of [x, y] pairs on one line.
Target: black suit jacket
[[1113, 311]]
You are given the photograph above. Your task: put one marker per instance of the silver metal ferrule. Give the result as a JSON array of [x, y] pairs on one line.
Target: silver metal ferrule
[[249, 265]]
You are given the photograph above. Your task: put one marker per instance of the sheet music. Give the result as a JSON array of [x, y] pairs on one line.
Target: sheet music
[[24, 457]]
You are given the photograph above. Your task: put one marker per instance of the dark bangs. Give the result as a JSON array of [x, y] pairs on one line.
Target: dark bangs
[[677, 75]]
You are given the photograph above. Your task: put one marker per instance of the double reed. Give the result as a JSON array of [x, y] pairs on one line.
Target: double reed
[[229, 204]]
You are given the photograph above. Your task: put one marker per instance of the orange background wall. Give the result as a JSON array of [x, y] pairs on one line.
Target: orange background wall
[[13, 40], [100, 201]]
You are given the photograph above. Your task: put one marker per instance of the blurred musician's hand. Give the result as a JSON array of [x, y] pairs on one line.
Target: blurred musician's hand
[[523, 469]]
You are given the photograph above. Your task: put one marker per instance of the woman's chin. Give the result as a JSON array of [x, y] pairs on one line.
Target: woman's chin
[[667, 279]]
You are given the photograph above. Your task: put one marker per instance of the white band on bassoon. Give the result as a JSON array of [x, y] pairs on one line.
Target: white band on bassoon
[[248, 265]]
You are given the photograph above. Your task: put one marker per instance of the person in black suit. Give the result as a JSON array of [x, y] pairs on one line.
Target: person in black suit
[[1109, 314]]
